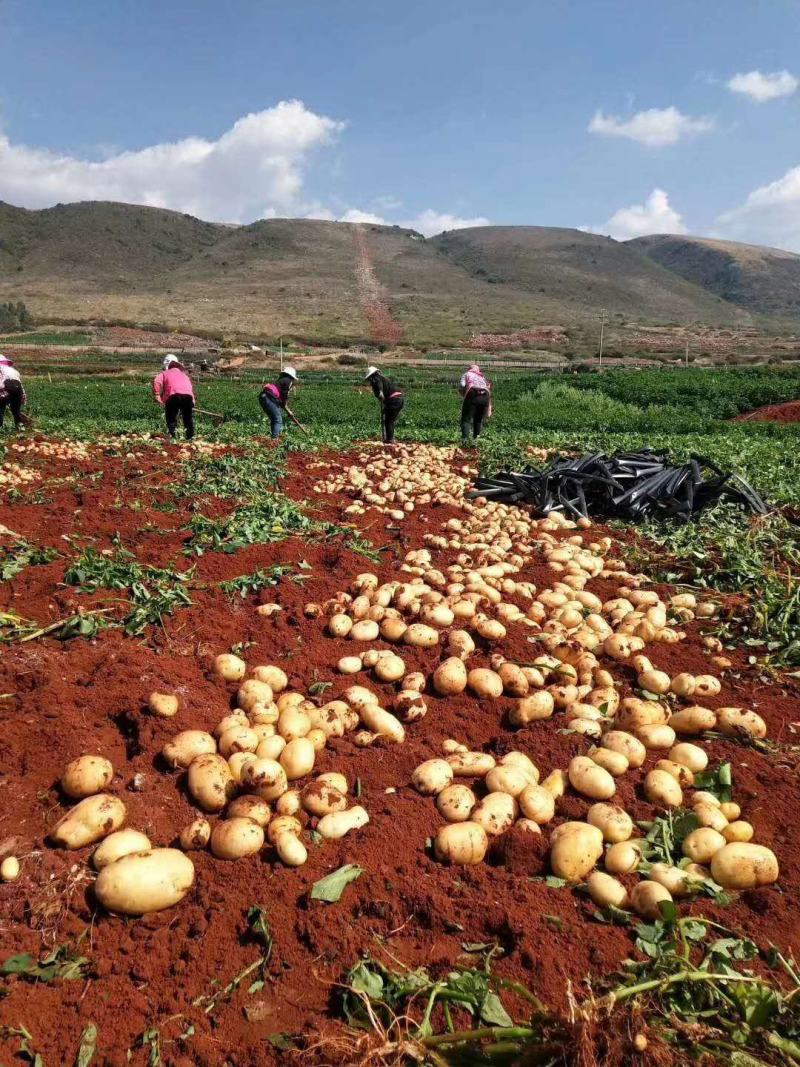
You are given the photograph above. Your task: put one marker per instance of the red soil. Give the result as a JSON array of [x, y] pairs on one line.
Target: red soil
[[383, 326], [788, 412], [89, 696]]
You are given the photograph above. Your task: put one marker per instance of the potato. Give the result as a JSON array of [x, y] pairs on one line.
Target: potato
[[614, 822], [461, 843], [738, 830], [164, 705], [702, 845], [144, 882], [237, 837], [537, 804], [515, 683], [339, 625], [119, 844], [86, 775], [229, 668], [358, 696], [575, 847], [274, 677], [186, 746], [418, 635], [455, 802], [662, 790], [283, 824], [508, 779], [689, 755], [606, 891], [450, 677], [555, 783], [710, 815], [432, 776], [238, 739], [730, 810], [293, 722], [485, 683], [339, 823], [471, 764], [318, 798], [525, 763], [675, 879], [9, 869], [682, 775], [196, 835], [733, 721], [290, 700], [410, 705], [90, 820], [495, 813], [382, 723], [390, 669], [620, 741], [236, 719], [533, 708], [270, 748], [624, 857], [349, 665], [693, 720], [613, 762], [297, 758], [414, 682], [334, 779], [288, 803], [647, 897], [655, 681], [590, 780], [655, 737], [249, 807], [266, 778], [291, 850], [741, 865], [253, 692]]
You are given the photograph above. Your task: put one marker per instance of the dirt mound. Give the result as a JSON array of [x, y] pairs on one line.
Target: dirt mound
[[788, 412]]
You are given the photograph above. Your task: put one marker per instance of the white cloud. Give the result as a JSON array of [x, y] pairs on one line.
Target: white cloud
[[255, 169], [770, 215], [427, 222], [654, 128], [762, 87], [431, 222], [655, 215]]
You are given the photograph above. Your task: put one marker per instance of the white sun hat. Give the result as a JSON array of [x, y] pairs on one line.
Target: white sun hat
[[291, 372], [169, 359], [370, 372]]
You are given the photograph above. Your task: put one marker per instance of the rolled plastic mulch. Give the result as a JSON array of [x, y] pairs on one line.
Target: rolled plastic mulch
[[629, 485]]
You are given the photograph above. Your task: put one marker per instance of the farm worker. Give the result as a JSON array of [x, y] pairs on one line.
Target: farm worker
[[477, 405], [12, 394], [391, 400], [274, 399], [172, 388]]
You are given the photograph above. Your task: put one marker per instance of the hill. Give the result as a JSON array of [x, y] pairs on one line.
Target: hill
[[334, 282], [764, 281]]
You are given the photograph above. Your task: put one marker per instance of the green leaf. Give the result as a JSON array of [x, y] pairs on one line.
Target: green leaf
[[478, 946], [493, 1013], [758, 1003], [552, 882], [260, 928], [333, 885], [364, 979], [256, 986], [86, 1049], [668, 909]]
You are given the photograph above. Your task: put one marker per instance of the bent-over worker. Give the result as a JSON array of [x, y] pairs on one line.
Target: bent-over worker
[[274, 399], [12, 393], [477, 403], [391, 400], [173, 390]]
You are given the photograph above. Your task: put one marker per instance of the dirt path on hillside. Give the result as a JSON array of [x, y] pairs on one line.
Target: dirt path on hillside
[[787, 412], [383, 326]]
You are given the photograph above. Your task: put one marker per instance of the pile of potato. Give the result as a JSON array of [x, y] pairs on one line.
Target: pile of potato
[[472, 600], [396, 482], [13, 475]]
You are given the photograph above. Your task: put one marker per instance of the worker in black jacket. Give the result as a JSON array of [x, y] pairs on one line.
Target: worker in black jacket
[[391, 400]]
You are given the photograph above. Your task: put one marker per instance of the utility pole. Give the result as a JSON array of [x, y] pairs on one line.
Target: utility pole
[[602, 331], [686, 358], [281, 355]]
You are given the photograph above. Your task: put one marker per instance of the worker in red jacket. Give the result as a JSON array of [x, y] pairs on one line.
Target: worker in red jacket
[[173, 390]]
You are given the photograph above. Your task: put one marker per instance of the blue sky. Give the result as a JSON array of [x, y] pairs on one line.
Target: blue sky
[[434, 113]]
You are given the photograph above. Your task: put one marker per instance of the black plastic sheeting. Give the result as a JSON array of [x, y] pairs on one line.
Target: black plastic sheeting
[[627, 485]]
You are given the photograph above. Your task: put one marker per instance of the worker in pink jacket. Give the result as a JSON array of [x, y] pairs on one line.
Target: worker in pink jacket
[[476, 389], [173, 390]]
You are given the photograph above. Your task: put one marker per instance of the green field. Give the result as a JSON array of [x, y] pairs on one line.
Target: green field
[[681, 411]]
